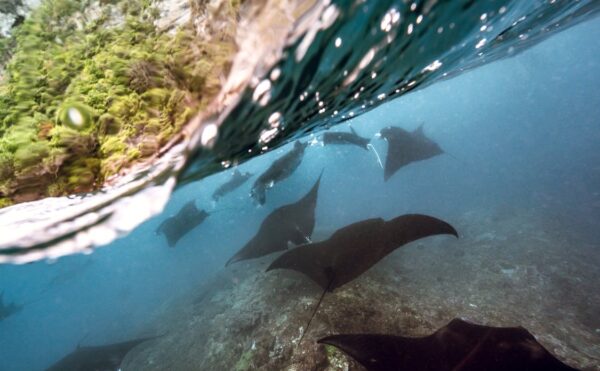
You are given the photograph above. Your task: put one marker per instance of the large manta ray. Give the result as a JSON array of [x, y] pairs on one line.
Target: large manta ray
[[352, 250], [97, 358], [279, 170], [351, 138], [237, 179], [457, 346], [289, 223], [405, 147], [175, 227]]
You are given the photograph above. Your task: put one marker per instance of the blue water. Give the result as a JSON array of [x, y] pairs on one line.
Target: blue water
[[522, 131]]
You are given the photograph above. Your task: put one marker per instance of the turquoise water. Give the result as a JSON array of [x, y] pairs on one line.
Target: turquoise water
[[521, 137]]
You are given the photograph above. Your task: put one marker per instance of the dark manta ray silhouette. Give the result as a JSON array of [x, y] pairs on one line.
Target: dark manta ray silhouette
[[97, 358], [352, 250], [175, 227], [293, 222], [405, 147], [280, 169], [7, 310], [237, 179], [351, 138], [457, 346]]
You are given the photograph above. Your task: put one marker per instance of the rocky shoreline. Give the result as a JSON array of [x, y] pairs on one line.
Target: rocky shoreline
[[92, 88]]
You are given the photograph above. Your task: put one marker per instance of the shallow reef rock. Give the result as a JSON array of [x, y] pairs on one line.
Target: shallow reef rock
[[246, 319]]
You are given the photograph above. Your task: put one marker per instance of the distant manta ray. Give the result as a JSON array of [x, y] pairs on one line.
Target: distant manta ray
[[351, 138], [405, 147], [279, 170], [354, 249], [175, 227], [344, 138], [97, 358], [289, 223], [237, 179], [459, 345], [7, 310]]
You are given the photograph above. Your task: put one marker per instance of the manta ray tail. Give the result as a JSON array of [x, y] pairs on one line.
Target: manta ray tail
[[317, 306], [31, 302], [232, 260], [456, 158], [372, 148]]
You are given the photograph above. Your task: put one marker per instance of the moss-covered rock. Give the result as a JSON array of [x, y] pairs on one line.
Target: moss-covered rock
[[76, 115], [82, 174], [92, 86], [108, 125], [149, 145], [30, 155]]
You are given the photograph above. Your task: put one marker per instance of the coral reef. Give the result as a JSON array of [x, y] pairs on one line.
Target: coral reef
[[90, 87]]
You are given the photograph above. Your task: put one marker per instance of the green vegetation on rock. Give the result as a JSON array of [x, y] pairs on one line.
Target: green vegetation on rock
[[89, 87], [245, 361], [336, 359]]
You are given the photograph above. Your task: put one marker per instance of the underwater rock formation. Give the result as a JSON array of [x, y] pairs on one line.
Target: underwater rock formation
[[247, 319]]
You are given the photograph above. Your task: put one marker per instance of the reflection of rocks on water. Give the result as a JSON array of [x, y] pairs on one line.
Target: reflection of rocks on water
[[511, 269]]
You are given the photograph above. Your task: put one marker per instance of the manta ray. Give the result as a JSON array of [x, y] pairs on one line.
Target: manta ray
[[7, 310], [98, 358], [279, 170], [294, 222], [175, 227], [405, 147], [459, 345], [354, 249], [351, 138], [237, 179]]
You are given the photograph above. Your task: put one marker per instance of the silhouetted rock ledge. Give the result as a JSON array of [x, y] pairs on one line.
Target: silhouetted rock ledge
[[508, 268]]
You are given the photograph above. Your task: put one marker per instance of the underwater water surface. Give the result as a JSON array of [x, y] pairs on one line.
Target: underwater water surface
[[519, 179]]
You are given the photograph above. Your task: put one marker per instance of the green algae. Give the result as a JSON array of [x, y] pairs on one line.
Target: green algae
[[244, 363], [90, 87], [337, 360], [5, 201]]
